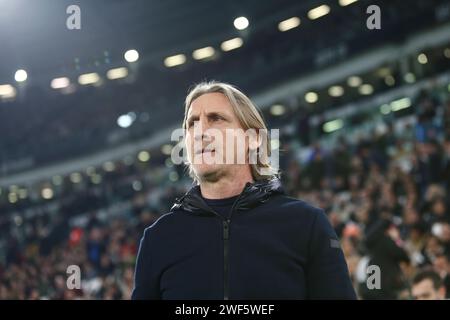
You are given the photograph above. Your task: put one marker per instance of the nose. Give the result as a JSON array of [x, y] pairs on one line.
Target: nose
[[200, 129]]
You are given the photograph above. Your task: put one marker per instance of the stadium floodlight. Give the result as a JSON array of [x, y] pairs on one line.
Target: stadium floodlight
[[336, 91], [241, 23], [20, 75], [144, 156], [47, 193], [333, 125], [231, 44], [75, 177], [117, 73], [344, 3], [96, 178], [410, 77], [7, 91], [126, 120], [277, 110], [400, 104], [422, 58], [447, 53], [385, 109], [131, 55], [203, 53], [389, 80], [289, 24], [59, 83], [354, 81], [365, 89], [311, 97], [166, 149], [88, 78], [318, 12], [109, 166], [175, 60], [12, 197]]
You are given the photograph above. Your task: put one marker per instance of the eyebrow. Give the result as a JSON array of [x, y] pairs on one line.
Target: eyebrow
[[209, 115]]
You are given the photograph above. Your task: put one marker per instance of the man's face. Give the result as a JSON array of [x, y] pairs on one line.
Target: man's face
[[424, 290], [210, 116]]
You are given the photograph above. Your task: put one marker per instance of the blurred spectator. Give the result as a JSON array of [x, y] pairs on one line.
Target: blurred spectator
[[427, 285]]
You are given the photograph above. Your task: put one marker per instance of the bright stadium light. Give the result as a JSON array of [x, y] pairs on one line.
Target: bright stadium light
[[109, 166], [175, 60], [88, 78], [20, 75], [12, 197], [277, 110], [400, 104], [336, 91], [126, 120], [311, 97], [385, 109], [131, 55], [344, 3], [447, 53], [203, 53], [410, 77], [241, 23], [7, 91], [354, 81], [117, 73], [75, 177], [47, 193], [318, 12], [289, 24], [389, 80], [144, 156], [166, 149], [365, 89], [231, 44], [59, 83], [422, 58], [333, 125]]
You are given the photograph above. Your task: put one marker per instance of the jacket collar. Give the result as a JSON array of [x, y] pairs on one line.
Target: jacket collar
[[252, 195]]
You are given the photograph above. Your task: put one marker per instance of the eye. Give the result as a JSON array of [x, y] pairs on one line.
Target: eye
[[190, 123], [216, 117]]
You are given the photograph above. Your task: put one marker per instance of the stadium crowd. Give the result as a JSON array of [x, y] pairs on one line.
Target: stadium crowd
[[387, 196]]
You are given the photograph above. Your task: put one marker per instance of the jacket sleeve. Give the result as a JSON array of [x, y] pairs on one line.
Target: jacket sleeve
[[146, 284], [327, 272]]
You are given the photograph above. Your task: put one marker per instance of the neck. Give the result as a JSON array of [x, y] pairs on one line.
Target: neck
[[227, 186]]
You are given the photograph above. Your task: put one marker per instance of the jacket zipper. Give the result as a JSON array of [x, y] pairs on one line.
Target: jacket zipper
[[226, 249], [226, 237]]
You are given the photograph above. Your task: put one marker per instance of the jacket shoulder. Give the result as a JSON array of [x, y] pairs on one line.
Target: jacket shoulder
[[298, 206], [162, 223]]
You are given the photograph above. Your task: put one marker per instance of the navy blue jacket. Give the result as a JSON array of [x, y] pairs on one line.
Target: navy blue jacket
[[270, 247]]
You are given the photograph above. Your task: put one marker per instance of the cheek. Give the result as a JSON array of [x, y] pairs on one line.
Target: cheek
[[189, 144]]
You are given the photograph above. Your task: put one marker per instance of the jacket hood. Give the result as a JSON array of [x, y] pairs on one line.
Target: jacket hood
[[252, 195]]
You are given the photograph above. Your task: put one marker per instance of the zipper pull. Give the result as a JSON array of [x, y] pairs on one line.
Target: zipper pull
[[226, 229]]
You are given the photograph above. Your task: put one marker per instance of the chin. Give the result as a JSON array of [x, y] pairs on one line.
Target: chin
[[208, 172]]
